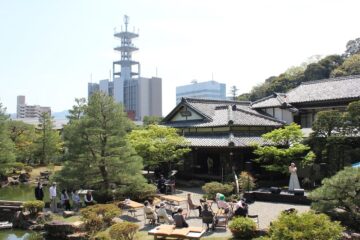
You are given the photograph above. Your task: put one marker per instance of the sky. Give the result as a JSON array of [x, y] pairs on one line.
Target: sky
[[50, 50]]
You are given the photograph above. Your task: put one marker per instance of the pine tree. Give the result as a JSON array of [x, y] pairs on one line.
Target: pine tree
[[48, 143], [98, 154]]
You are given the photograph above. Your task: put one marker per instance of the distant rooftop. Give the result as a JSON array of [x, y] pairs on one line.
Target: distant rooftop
[[340, 88]]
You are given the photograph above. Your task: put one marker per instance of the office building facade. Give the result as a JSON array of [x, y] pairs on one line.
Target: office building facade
[[204, 90]]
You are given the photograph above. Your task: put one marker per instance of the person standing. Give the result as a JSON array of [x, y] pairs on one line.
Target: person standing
[[88, 199], [65, 200], [294, 181], [76, 200], [52, 195], [192, 205], [39, 193]]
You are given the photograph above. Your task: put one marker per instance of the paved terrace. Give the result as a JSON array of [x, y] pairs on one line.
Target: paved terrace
[[267, 212]]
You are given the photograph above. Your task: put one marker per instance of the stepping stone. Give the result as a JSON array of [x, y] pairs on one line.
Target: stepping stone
[[67, 214]]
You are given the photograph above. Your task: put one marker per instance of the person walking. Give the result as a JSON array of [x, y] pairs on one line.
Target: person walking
[[52, 195], [39, 193]]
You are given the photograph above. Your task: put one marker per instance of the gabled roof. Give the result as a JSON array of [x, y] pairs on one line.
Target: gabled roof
[[218, 113], [340, 88]]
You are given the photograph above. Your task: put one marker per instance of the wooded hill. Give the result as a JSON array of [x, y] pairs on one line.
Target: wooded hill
[[328, 67]]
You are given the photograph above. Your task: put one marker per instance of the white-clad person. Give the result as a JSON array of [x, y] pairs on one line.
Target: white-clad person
[[163, 214], [52, 195]]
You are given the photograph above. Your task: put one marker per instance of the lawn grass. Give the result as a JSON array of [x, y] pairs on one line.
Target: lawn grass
[[68, 220]]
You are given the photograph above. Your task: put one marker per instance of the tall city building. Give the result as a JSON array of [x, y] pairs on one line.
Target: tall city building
[[205, 90], [141, 96], [29, 111]]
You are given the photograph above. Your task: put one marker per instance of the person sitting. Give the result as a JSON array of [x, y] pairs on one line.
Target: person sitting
[[192, 205], [88, 199], [218, 196], [207, 217], [65, 200], [76, 200], [222, 204], [241, 208], [180, 220], [163, 214], [161, 184], [150, 212]]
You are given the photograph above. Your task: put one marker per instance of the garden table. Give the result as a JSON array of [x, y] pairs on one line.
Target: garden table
[[169, 231], [131, 206], [173, 199]]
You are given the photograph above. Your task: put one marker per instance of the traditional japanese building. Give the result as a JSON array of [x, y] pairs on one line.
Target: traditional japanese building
[[221, 134], [302, 103]]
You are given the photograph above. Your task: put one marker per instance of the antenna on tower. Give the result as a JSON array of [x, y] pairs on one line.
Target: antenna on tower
[[212, 76], [156, 72], [126, 21], [91, 77]]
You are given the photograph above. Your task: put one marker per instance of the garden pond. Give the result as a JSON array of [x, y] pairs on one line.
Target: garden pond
[[22, 192]]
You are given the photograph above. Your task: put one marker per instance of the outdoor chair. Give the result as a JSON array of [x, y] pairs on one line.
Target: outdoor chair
[[255, 218], [221, 221], [161, 220], [208, 220], [150, 217], [189, 210]]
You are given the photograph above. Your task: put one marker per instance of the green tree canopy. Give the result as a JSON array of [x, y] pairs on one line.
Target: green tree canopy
[[48, 143], [286, 148], [340, 192], [351, 66], [7, 147], [327, 122], [148, 120], [23, 135], [98, 153], [158, 144]]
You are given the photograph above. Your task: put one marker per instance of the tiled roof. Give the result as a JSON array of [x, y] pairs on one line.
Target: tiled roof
[[316, 91], [224, 140], [275, 100], [223, 113]]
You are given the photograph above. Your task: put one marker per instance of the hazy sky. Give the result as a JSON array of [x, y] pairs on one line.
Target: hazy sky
[[49, 49]]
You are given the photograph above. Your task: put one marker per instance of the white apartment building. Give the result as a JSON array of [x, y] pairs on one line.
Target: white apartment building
[[29, 111]]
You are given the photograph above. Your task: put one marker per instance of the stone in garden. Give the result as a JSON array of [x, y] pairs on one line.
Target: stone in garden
[[58, 229], [67, 214], [78, 236]]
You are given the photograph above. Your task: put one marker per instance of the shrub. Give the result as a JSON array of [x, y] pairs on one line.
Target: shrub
[[99, 216], [340, 192], [123, 230], [135, 191], [34, 206], [242, 228], [28, 169], [246, 181], [212, 188], [102, 236], [305, 226]]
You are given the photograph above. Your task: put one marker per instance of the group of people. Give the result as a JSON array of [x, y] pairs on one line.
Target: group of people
[[64, 197], [160, 214]]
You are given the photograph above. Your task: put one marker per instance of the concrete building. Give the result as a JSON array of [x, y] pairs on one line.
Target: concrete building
[[141, 96], [29, 111], [204, 90]]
